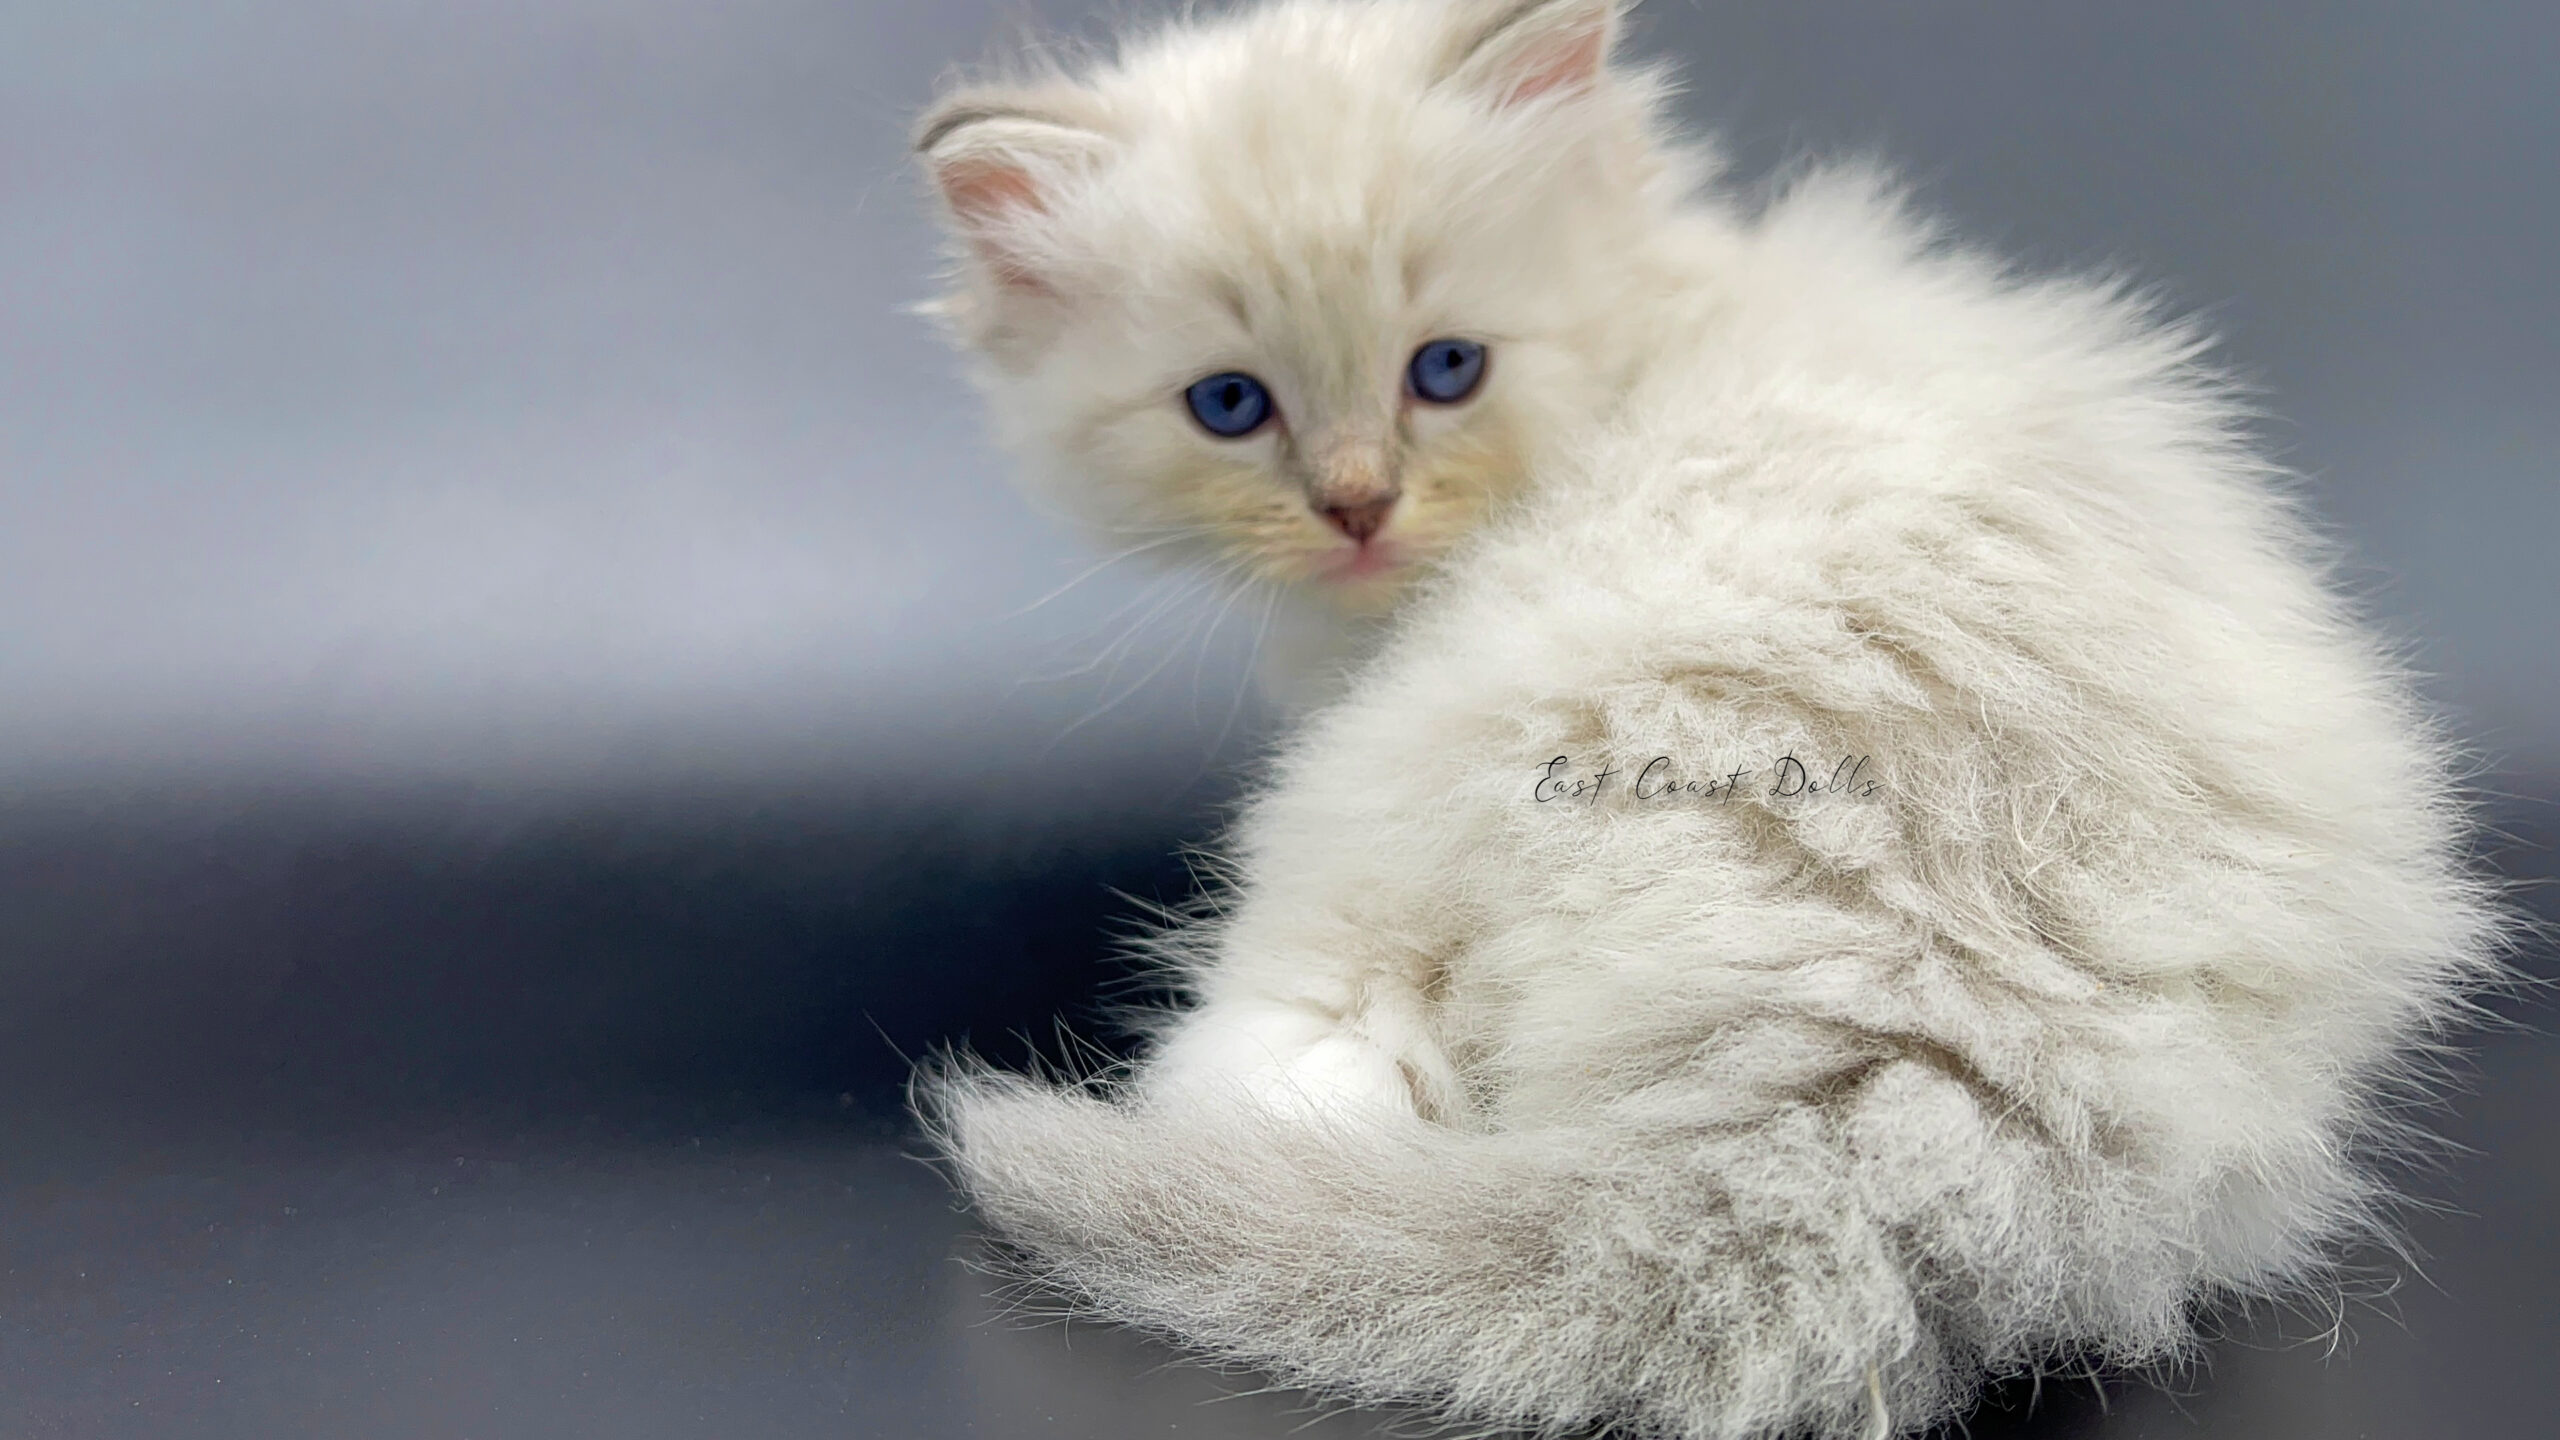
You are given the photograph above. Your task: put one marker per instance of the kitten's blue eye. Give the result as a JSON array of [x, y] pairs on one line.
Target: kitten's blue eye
[[1445, 372], [1230, 406]]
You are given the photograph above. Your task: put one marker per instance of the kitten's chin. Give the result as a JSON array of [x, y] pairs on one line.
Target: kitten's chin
[[1365, 581]]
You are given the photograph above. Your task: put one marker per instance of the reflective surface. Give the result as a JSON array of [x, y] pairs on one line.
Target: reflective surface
[[524, 697]]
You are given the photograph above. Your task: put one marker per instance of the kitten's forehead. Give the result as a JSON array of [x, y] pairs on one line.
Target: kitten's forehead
[[1321, 253], [1303, 144], [1306, 174]]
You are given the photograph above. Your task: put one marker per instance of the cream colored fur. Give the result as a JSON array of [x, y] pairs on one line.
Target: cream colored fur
[[1716, 1115]]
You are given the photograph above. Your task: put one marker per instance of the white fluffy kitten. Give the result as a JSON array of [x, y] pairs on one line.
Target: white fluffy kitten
[[1751, 1106]]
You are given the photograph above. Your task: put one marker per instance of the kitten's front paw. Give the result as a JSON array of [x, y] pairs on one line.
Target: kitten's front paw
[[1287, 1061], [1338, 1075]]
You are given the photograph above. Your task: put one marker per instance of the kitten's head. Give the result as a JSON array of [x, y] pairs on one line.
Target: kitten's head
[[1306, 289]]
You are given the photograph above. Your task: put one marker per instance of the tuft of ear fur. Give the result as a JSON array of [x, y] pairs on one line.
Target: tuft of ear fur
[[998, 159], [1513, 51]]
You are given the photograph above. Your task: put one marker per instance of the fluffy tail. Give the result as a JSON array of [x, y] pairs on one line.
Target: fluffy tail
[[1706, 1281]]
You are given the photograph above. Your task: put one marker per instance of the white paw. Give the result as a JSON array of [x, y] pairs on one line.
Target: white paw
[[1340, 1074], [1292, 1062]]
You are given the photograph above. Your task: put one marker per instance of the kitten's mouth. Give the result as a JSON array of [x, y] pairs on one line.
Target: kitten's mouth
[[1366, 561]]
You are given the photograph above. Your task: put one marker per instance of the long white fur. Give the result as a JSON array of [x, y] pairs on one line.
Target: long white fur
[[1720, 1117]]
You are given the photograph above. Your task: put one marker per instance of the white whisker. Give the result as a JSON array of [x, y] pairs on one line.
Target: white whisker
[[1099, 566]]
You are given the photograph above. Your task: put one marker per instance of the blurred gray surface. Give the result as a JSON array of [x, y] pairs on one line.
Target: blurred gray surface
[[693, 1269], [522, 699]]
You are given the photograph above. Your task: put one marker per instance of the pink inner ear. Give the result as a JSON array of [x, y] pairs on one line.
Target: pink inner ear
[[980, 193], [1571, 64]]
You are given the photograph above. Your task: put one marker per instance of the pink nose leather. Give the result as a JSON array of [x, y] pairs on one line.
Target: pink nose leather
[[1362, 520]]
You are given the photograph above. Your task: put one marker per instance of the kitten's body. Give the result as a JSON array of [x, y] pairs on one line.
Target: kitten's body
[[1719, 1113]]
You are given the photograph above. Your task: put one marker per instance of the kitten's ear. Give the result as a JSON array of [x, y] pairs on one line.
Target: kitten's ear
[[1512, 51], [998, 159]]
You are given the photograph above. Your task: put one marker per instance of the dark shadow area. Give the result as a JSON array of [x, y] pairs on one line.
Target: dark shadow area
[[438, 947]]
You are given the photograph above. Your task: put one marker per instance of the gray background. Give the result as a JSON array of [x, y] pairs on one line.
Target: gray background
[[522, 696]]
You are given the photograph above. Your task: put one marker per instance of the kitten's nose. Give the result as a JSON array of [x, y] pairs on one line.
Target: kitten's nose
[[1360, 520], [1353, 485]]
